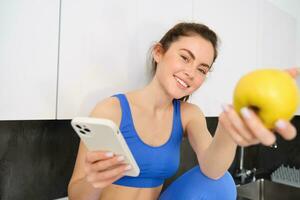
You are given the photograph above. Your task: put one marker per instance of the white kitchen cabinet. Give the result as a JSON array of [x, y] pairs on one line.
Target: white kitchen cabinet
[[28, 59], [103, 47], [97, 46]]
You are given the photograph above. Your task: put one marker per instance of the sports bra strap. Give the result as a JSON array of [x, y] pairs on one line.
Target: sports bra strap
[[126, 119]]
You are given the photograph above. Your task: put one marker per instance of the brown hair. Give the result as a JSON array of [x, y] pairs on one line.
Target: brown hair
[[186, 29]]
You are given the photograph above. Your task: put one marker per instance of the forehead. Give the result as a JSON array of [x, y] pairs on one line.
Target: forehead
[[200, 47]]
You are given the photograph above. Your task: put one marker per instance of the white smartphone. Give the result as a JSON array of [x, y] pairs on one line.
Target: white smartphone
[[104, 135]]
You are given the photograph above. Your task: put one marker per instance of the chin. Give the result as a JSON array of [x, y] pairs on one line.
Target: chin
[[177, 94]]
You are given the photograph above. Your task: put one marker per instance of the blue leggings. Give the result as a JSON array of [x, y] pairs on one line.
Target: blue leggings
[[194, 185]]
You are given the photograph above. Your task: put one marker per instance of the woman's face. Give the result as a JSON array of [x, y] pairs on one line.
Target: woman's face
[[183, 67]]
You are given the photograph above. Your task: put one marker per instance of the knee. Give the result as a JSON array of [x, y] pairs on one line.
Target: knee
[[226, 186], [221, 188], [195, 185]]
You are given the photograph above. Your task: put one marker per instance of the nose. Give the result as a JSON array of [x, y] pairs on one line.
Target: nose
[[189, 73]]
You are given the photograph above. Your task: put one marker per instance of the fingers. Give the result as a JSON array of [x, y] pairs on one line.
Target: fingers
[[110, 173], [226, 123], [93, 156], [104, 178], [286, 129], [236, 127], [103, 168], [294, 72], [105, 164], [257, 128], [238, 123], [248, 128]]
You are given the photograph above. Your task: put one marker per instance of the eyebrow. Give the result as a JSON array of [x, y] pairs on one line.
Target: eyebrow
[[192, 55]]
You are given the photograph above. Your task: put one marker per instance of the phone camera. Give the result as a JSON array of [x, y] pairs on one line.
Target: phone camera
[[87, 130], [82, 132], [78, 126]]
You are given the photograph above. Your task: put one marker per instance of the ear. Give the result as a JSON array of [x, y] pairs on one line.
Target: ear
[[157, 52]]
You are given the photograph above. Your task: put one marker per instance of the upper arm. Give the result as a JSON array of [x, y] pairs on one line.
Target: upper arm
[[196, 129], [108, 108]]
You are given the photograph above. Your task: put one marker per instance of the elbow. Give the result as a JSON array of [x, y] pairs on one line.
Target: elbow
[[211, 175], [216, 177]]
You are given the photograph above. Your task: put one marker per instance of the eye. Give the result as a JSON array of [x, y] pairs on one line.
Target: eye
[[185, 58], [202, 71]]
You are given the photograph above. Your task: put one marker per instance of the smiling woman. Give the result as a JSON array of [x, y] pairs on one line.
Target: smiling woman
[[186, 37], [153, 121]]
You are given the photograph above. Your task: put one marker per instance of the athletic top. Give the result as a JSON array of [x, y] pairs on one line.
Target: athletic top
[[156, 163]]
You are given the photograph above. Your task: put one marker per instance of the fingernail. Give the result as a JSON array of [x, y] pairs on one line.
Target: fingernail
[[120, 158], [245, 112], [128, 167], [280, 124], [225, 107], [109, 154]]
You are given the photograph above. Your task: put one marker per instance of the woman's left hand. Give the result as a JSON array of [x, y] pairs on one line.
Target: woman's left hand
[[248, 129]]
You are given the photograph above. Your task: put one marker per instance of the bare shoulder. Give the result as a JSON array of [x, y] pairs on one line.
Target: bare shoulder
[[190, 111], [108, 108]]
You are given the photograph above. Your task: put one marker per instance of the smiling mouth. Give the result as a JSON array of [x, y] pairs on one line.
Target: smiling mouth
[[181, 82]]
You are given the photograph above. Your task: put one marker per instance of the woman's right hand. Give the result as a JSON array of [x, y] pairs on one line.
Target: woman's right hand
[[103, 168]]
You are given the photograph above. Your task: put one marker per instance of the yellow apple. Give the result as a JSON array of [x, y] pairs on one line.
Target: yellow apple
[[272, 93]]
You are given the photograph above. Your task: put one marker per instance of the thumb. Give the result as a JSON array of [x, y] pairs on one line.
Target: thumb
[[294, 72]]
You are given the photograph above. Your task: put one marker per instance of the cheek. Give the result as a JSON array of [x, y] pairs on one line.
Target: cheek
[[161, 71], [198, 82], [167, 68], [171, 62], [163, 74]]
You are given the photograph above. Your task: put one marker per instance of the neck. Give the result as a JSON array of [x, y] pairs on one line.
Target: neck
[[154, 97]]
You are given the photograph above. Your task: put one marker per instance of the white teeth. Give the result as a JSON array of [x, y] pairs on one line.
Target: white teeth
[[181, 82]]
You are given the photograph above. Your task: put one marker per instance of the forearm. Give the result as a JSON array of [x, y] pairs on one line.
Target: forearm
[[82, 190], [219, 155]]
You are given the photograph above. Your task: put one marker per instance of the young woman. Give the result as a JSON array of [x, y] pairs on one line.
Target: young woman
[[153, 121]]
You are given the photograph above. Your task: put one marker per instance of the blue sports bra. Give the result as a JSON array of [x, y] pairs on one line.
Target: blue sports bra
[[155, 163]]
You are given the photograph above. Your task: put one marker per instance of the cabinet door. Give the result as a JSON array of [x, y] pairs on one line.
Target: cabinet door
[[28, 59], [97, 47]]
